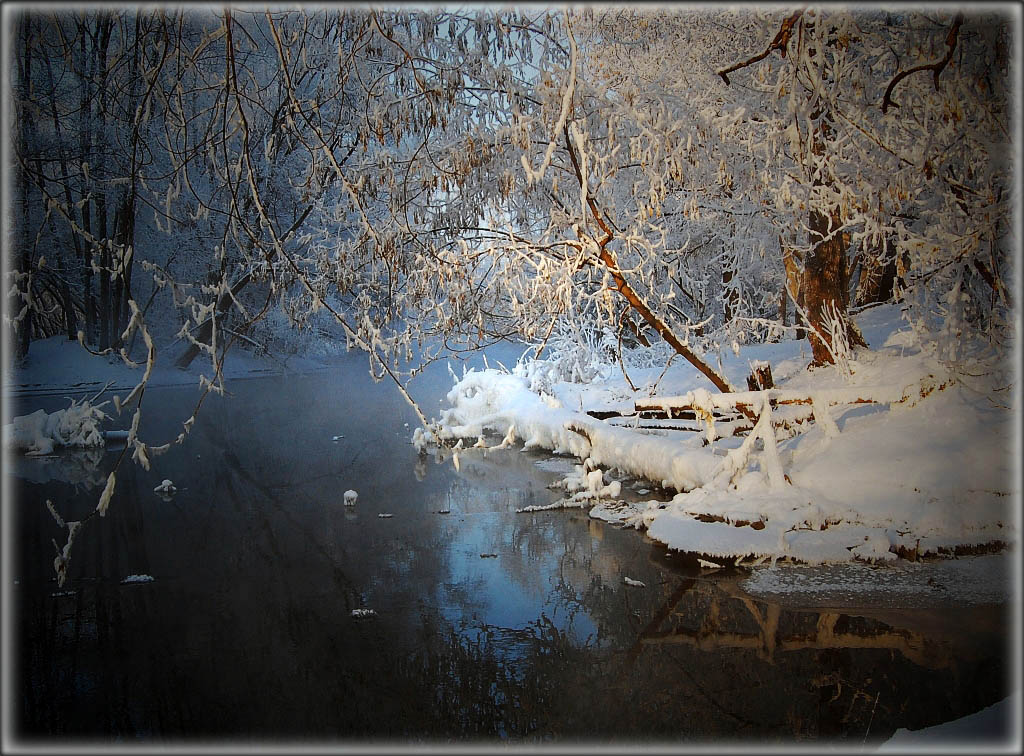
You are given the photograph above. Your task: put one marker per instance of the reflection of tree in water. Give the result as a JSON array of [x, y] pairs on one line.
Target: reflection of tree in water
[[258, 639], [699, 661], [711, 661]]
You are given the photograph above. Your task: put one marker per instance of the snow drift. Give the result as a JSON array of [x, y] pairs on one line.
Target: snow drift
[[40, 432]]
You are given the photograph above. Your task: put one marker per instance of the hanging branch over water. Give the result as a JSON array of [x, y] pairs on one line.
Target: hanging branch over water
[[623, 287]]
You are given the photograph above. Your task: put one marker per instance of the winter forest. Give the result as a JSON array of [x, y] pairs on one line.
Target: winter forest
[[760, 261]]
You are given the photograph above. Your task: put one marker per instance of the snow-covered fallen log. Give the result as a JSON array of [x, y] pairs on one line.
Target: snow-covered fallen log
[[491, 401], [701, 400], [41, 432]]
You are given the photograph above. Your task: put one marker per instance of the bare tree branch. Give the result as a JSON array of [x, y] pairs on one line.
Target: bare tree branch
[[935, 67], [779, 43]]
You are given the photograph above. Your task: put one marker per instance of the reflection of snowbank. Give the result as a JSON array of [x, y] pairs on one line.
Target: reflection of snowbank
[[915, 476], [968, 580], [40, 432], [76, 467]]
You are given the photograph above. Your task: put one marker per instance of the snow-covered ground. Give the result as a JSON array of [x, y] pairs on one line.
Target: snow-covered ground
[[929, 466], [56, 365]]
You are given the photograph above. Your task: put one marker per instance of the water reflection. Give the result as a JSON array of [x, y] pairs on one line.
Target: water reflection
[[247, 629], [79, 468]]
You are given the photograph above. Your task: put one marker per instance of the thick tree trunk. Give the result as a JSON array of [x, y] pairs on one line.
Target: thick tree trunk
[[825, 283], [23, 326], [69, 307], [731, 300], [126, 233], [732, 296], [100, 156], [825, 277], [783, 303]]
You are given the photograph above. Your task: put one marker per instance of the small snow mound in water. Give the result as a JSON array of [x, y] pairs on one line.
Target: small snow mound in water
[[166, 486], [138, 579], [363, 612], [350, 497]]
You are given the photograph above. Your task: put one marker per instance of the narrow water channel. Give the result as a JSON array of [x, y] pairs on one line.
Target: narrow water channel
[[485, 624]]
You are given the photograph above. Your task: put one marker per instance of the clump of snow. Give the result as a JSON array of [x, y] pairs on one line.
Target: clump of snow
[[350, 497], [634, 583], [577, 356], [385, 515], [363, 613], [40, 432], [137, 579], [166, 487], [586, 482]]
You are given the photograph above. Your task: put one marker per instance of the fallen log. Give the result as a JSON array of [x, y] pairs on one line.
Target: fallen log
[[751, 399], [659, 414], [735, 429]]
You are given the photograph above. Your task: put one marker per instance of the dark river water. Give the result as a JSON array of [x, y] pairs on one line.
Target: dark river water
[[486, 624]]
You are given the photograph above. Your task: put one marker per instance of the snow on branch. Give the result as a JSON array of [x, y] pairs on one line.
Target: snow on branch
[[736, 460], [533, 176]]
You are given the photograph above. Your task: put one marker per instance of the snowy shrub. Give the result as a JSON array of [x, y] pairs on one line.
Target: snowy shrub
[[576, 354], [836, 339]]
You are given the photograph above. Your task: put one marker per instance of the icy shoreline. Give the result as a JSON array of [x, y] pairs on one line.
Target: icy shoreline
[[57, 366]]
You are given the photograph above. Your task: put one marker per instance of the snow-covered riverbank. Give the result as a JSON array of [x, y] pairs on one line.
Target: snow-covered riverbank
[[928, 467]]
